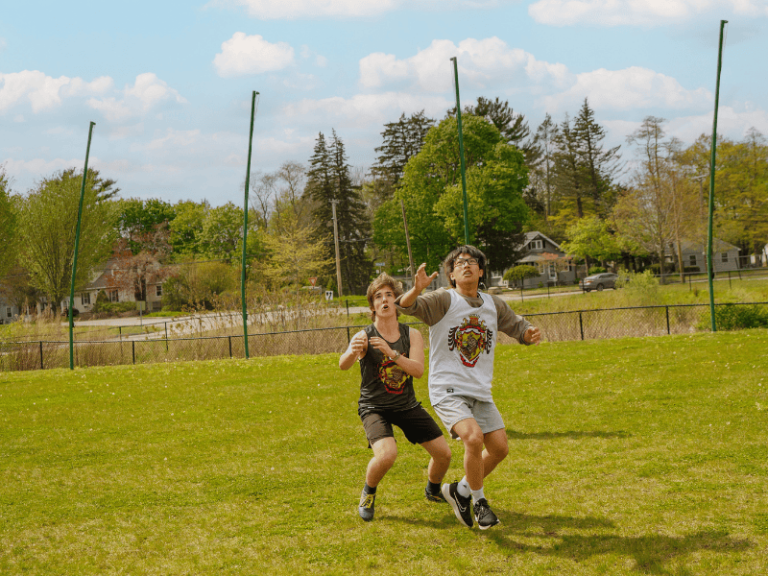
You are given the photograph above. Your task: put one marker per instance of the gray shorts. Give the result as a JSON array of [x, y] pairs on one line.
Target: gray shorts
[[454, 409]]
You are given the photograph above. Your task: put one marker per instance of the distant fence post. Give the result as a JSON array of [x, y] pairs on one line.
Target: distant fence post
[[667, 307], [133, 351], [230, 346], [42, 366], [348, 338], [581, 326]]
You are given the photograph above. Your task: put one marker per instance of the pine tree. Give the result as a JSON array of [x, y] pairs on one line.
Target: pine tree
[[513, 127], [329, 180], [600, 164], [568, 168], [402, 140]]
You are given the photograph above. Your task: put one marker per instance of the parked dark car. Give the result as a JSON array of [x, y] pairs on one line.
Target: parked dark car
[[598, 282]]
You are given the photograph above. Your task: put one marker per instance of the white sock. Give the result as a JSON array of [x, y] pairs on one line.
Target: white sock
[[477, 495], [463, 488]]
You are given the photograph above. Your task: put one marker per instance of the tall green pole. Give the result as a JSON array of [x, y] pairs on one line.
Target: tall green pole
[[710, 269], [77, 248], [245, 224], [461, 151]]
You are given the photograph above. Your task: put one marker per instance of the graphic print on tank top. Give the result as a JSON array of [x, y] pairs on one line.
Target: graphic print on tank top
[[470, 339], [392, 376]]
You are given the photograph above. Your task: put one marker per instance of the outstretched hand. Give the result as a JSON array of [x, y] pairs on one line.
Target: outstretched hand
[[532, 336], [421, 280]]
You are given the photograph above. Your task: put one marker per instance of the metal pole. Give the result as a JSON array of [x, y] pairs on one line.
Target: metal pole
[[581, 326], [408, 243], [42, 365], [712, 179], [77, 248], [336, 242], [245, 223], [461, 150], [667, 307]]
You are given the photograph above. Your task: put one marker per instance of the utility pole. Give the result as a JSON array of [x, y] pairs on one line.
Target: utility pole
[[408, 242], [336, 242]]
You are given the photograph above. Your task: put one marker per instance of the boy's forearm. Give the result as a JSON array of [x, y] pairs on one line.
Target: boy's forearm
[[409, 298]]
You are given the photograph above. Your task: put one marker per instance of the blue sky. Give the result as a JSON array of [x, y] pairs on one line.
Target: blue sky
[[168, 84]]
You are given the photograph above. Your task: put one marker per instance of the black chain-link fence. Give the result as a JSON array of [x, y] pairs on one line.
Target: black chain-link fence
[[555, 326]]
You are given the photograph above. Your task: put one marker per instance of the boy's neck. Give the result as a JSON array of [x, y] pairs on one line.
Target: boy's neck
[[385, 324], [468, 292]]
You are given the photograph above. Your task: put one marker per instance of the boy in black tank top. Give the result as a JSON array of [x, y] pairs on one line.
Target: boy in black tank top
[[391, 355]]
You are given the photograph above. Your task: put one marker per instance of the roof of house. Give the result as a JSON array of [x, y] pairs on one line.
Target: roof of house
[[701, 247], [535, 234]]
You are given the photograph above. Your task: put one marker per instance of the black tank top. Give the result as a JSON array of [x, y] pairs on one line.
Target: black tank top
[[384, 385]]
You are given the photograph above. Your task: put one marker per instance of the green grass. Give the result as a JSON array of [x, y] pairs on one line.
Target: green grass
[[755, 290], [632, 456]]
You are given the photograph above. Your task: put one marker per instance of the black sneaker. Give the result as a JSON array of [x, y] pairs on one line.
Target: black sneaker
[[460, 504], [437, 497], [365, 508], [484, 515]]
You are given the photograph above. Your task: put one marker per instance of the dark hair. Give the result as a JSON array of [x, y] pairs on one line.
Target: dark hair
[[380, 282], [466, 249]]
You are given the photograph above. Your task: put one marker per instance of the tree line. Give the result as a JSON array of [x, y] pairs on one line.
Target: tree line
[[603, 204]]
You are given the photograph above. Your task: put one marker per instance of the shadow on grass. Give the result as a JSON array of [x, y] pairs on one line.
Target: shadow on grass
[[517, 523], [514, 435], [651, 553]]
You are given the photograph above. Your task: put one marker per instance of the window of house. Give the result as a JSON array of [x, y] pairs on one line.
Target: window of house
[[159, 289], [85, 298], [114, 296], [725, 256], [537, 244], [692, 259], [8, 312]]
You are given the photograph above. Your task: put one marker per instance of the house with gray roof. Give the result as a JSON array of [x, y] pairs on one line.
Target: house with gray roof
[[555, 266]]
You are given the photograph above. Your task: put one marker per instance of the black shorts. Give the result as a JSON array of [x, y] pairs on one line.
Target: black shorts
[[416, 423]]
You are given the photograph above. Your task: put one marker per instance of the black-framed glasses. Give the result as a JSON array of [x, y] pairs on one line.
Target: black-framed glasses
[[461, 262]]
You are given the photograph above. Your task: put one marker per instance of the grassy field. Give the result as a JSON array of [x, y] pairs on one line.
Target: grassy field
[[633, 456], [753, 290]]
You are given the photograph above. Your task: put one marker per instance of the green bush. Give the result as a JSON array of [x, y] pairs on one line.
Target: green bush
[[691, 269], [596, 270], [519, 273], [740, 316], [113, 307]]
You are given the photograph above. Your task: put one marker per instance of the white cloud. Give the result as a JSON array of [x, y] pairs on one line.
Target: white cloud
[[633, 87], [294, 9], [301, 9], [367, 108], [175, 139], [43, 92], [636, 12], [38, 166], [482, 63], [147, 92], [241, 55]]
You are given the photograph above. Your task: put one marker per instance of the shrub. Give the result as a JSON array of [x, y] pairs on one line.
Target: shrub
[[596, 270], [739, 316], [520, 273], [691, 269]]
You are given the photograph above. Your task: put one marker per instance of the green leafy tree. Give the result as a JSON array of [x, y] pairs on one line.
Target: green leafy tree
[[7, 223], [186, 228], [432, 193], [222, 232], [590, 238], [47, 225], [139, 218]]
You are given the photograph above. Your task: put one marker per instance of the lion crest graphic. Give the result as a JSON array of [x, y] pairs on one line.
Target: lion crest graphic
[[471, 338], [392, 376]]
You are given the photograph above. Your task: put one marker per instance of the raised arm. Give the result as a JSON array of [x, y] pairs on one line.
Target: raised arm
[[357, 348], [420, 281]]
